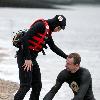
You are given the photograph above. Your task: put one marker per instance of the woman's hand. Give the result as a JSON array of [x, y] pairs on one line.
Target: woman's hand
[[28, 65]]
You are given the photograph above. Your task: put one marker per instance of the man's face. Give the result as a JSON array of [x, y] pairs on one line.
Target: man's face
[[70, 66], [57, 29]]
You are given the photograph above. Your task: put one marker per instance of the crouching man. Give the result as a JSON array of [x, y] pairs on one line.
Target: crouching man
[[78, 78]]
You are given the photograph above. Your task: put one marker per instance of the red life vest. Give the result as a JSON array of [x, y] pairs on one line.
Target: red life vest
[[37, 42]]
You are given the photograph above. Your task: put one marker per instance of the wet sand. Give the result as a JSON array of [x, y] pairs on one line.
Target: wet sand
[[7, 89]]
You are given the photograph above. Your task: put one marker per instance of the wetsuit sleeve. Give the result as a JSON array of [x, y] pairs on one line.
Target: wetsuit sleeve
[[84, 85], [55, 49], [59, 81], [37, 27]]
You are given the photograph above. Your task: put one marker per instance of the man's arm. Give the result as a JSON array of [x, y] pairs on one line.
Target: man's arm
[[84, 85], [50, 95], [55, 49], [59, 81]]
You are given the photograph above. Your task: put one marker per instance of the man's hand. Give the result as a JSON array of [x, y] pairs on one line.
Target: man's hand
[[28, 65]]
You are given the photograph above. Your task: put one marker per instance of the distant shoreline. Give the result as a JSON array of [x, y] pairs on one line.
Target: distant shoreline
[[2, 54]]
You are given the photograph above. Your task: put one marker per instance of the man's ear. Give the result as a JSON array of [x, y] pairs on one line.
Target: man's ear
[[77, 65]]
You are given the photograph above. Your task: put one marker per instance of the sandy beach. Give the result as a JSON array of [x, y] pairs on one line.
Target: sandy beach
[[7, 89]]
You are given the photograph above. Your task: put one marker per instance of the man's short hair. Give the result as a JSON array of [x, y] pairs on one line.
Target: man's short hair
[[76, 56]]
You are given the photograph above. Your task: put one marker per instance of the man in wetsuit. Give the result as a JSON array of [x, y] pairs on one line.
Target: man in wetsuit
[[34, 41], [78, 78]]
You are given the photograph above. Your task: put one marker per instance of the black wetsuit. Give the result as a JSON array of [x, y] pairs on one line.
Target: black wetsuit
[[33, 78], [80, 83]]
